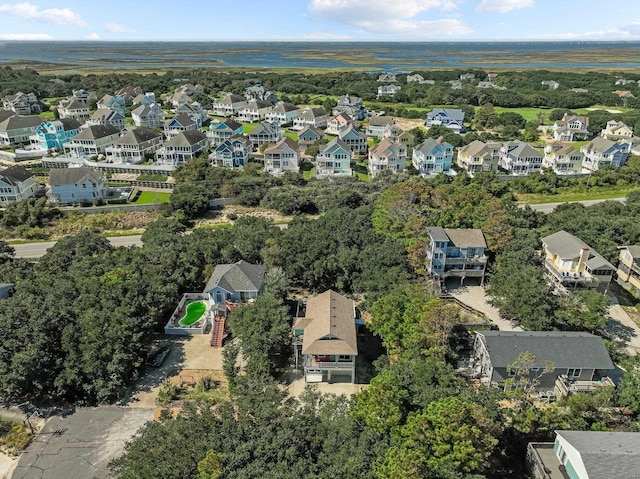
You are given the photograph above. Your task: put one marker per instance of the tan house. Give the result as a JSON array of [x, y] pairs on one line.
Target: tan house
[[478, 156], [572, 264], [616, 130], [562, 158], [325, 339], [629, 267]]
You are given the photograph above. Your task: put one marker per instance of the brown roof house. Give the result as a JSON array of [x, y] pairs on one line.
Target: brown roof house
[[325, 339]]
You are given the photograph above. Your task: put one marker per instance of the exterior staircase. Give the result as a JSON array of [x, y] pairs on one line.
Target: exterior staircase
[[217, 331]]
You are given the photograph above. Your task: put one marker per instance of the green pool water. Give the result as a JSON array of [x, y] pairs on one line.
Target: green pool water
[[195, 311]]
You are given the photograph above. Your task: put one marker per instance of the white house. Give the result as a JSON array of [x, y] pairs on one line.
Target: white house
[[92, 140], [183, 147], [601, 151], [74, 108], [233, 152], [254, 111], [387, 155], [283, 113], [562, 158], [282, 157], [148, 116], [135, 146], [17, 184], [317, 117], [334, 159], [520, 158], [106, 116], [74, 185], [229, 105]]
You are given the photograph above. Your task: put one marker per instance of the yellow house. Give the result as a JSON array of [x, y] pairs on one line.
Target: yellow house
[[572, 264], [629, 266]]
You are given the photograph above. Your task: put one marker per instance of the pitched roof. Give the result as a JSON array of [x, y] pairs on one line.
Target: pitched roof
[[240, 276], [381, 120], [283, 107], [633, 250], [330, 326], [466, 237], [453, 113], [15, 174], [310, 128], [4, 114], [476, 147], [76, 104], [264, 128], [71, 176], [386, 146], [566, 349], [313, 112], [568, 246], [16, 122], [69, 123], [282, 145], [137, 136], [606, 454], [187, 138], [524, 150], [104, 114], [334, 145], [94, 132], [599, 144], [231, 98]]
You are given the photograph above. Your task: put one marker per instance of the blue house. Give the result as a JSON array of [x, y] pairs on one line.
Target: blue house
[[232, 153], [115, 103], [52, 135], [456, 252], [432, 157], [221, 131], [452, 118], [237, 283]]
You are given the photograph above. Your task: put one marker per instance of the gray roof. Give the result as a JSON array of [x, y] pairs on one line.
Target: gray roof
[[568, 246], [283, 107], [137, 136], [187, 138], [75, 104], [70, 123], [15, 174], [566, 349], [633, 250], [4, 114], [381, 120], [282, 145], [453, 113], [94, 132], [183, 119], [71, 176], [606, 455], [599, 144], [240, 276], [311, 113], [459, 237], [104, 114], [16, 122]]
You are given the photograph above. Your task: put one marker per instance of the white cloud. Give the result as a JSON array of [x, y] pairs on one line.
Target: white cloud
[[25, 36], [326, 36], [57, 16], [117, 28], [504, 6], [630, 31], [395, 17], [92, 36]]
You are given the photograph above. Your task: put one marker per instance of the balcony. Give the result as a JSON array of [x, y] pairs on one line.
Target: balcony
[[568, 277], [566, 386], [543, 462], [310, 362]]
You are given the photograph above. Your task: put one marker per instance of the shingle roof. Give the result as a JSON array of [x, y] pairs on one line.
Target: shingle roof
[[566, 349], [568, 246], [70, 124], [76, 104], [606, 455], [381, 120], [334, 145], [71, 176], [331, 327], [283, 107], [183, 119], [240, 276], [4, 114], [94, 132], [15, 174], [103, 114], [282, 145], [16, 122], [437, 233], [466, 237], [137, 136], [187, 138], [474, 148], [600, 144]]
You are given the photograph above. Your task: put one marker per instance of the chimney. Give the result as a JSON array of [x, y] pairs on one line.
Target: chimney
[[584, 256]]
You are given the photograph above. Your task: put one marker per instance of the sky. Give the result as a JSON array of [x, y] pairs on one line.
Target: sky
[[320, 20]]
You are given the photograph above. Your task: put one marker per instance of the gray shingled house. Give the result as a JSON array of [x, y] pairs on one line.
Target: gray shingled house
[[580, 359], [586, 455], [237, 283]]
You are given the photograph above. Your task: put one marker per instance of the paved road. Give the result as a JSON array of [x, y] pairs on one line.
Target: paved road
[[36, 250], [549, 207]]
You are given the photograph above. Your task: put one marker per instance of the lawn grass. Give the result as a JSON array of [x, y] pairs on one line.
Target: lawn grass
[[310, 173], [249, 127], [529, 114], [362, 172], [47, 115], [152, 198], [594, 194], [293, 136]]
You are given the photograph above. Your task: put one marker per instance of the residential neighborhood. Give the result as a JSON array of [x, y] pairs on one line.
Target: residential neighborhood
[[372, 268]]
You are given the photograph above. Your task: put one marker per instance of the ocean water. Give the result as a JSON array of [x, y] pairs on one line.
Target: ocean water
[[375, 56]]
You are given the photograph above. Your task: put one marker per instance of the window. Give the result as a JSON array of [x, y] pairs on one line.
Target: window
[[574, 372]]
